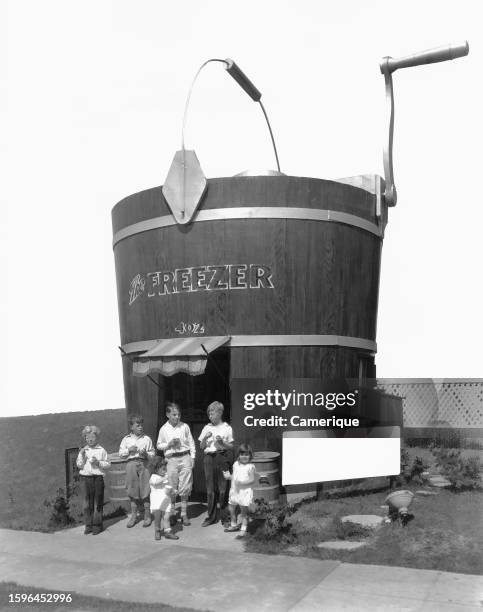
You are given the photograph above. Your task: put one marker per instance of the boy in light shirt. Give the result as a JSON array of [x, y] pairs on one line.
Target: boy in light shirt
[[92, 462], [216, 440], [178, 446], [137, 448]]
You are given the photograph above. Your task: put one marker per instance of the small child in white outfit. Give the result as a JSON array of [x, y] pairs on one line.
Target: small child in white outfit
[[241, 491], [160, 499]]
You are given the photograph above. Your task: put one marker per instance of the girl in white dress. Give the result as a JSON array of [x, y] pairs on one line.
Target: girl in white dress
[[241, 491], [160, 498]]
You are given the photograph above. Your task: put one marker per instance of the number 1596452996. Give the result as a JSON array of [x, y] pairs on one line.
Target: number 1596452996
[[39, 598]]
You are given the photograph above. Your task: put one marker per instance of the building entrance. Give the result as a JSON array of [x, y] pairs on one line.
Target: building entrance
[[193, 394]]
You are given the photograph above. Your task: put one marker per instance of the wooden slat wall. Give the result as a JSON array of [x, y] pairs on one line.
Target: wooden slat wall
[[328, 363], [250, 191], [325, 275], [326, 278], [142, 398]]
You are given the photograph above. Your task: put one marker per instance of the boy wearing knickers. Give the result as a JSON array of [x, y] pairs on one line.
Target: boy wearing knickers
[[178, 446], [137, 449]]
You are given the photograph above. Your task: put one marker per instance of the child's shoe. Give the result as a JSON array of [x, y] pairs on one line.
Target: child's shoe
[[147, 515], [173, 519], [132, 521], [225, 518], [185, 520], [157, 534], [171, 536], [232, 528]]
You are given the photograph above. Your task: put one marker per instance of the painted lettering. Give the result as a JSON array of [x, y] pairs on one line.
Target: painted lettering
[[167, 283], [201, 278], [218, 280], [183, 279], [260, 277], [238, 276], [136, 288], [153, 280], [198, 278]]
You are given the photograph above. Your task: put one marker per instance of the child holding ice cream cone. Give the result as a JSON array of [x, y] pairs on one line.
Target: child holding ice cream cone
[[177, 444], [160, 498], [241, 490], [92, 462], [137, 448]]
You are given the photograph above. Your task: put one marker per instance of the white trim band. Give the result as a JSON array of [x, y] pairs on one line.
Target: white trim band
[[252, 212], [271, 340]]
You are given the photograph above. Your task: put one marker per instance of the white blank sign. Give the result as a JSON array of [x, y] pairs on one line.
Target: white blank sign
[[319, 459]]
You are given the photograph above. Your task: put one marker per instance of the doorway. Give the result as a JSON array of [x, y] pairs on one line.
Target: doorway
[[193, 394]]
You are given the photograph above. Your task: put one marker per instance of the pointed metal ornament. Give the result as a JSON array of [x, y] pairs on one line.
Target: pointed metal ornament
[[184, 186]]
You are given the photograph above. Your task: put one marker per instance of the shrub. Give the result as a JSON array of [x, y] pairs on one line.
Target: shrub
[[275, 523], [60, 509], [405, 459], [410, 470], [462, 473], [417, 468]]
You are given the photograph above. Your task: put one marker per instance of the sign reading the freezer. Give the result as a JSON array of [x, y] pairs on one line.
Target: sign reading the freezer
[[201, 278]]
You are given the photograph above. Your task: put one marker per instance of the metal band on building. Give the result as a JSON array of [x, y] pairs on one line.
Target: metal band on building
[[252, 212], [272, 340]]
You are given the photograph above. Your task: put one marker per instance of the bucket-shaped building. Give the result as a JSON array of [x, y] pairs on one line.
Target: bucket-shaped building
[[274, 277]]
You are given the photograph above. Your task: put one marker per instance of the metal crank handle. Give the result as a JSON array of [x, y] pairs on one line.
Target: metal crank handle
[[388, 65], [431, 56]]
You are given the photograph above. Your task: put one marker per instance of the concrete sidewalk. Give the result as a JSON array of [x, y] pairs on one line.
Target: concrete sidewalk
[[207, 569]]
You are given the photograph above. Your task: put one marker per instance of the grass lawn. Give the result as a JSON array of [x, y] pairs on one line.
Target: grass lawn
[[32, 465], [446, 532], [79, 602]]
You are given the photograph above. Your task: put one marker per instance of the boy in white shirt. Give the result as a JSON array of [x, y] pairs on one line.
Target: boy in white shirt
[[216, 440], [92, 462], [178, 446], [137, 448]]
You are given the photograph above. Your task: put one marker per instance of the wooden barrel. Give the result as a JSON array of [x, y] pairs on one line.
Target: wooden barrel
[[287, 267], [116, 482], [267, 481]]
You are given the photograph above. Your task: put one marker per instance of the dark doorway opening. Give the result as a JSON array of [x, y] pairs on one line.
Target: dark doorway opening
[[194, 394]]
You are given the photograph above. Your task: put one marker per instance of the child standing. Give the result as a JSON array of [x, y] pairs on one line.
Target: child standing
[[92, 462], [241, 490], [160, 499], [177, 444], [137, 449], [216, 442]]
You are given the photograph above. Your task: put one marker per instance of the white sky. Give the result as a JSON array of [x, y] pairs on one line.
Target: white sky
[[96, 91]]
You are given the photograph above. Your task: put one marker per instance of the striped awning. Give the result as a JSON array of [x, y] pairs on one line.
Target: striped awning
[[176, 355]]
